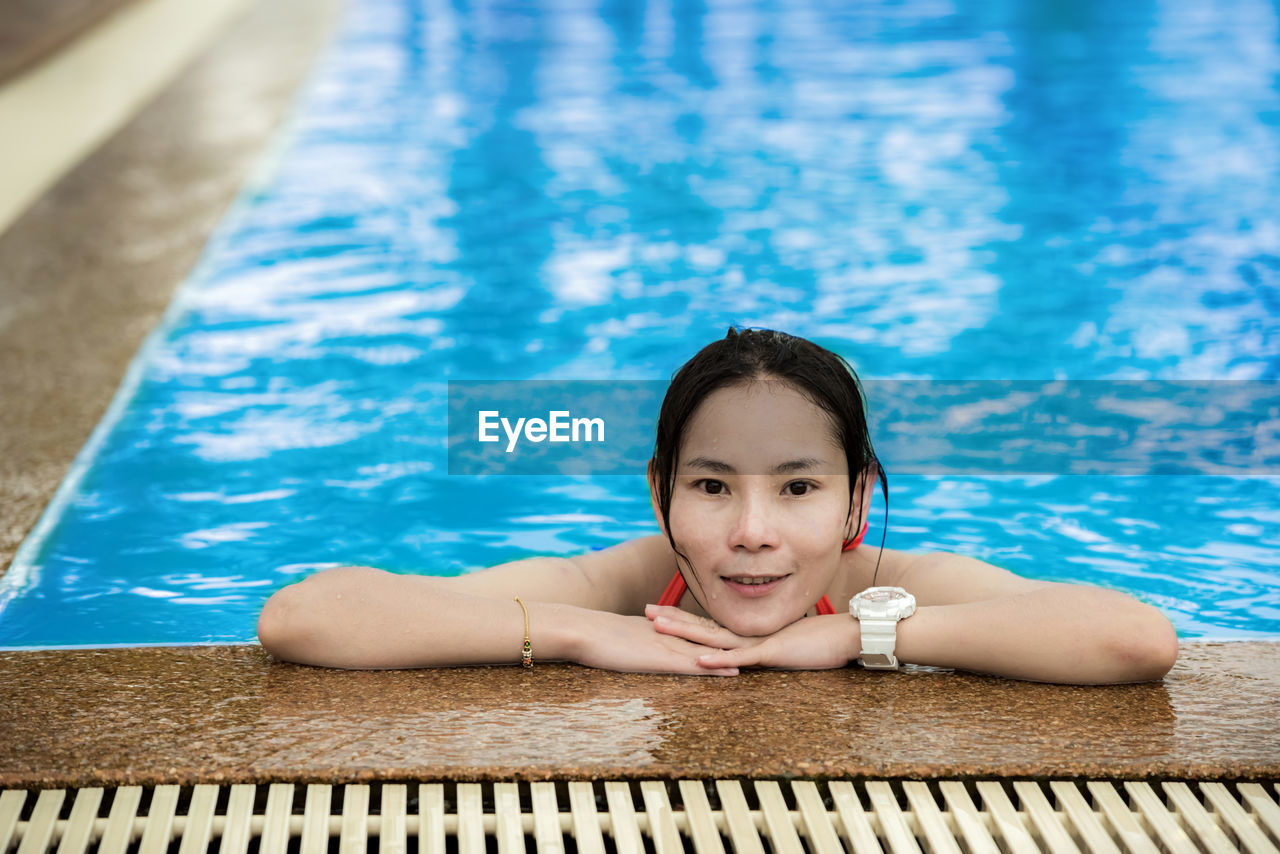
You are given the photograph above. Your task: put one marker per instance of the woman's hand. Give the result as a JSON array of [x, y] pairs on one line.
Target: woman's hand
[[813, 643], [629, 644]]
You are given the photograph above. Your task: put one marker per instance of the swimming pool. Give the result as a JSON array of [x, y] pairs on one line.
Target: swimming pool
[[969, 191]]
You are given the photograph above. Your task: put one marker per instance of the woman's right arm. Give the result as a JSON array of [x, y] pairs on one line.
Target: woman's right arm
[[587, 609]]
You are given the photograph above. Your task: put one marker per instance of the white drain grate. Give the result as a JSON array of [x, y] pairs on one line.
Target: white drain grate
[[652, 817]]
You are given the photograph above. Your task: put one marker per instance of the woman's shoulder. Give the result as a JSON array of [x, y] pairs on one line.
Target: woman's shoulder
[[631, 574], [620, 578], [945, 578], [869, 564]]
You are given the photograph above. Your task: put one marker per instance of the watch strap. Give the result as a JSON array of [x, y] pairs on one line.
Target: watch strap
[[879, 638]]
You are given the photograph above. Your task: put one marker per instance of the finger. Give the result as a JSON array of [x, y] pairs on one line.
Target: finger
[[708, 628], [694, 666], [651, 611], [698, 670], [684, 659], [690, 653], [675, 613], [682, 666], [698, 631], [688, 649], [749, 656]]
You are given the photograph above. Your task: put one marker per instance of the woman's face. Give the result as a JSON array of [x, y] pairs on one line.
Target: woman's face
[[760, 505]]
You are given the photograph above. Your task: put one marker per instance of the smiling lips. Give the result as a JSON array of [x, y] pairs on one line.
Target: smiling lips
[[752, 586]]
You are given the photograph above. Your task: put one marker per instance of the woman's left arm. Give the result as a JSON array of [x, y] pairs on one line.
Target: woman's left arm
[[972, 616]]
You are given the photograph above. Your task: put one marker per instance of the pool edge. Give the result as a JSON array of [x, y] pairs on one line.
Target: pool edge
[[105, 250]]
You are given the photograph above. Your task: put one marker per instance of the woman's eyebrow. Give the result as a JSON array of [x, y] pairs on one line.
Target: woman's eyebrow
[[790, 466]]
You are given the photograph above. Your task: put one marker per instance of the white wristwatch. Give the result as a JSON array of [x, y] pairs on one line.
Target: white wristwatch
[[878, 610]]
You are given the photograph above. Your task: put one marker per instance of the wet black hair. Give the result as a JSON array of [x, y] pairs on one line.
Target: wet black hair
[[750, 355]]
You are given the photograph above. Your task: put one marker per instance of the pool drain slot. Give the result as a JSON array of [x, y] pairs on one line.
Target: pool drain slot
[[648, 817]]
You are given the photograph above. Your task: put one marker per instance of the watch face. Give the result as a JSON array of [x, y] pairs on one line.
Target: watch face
[[883, 595], [883, 603]]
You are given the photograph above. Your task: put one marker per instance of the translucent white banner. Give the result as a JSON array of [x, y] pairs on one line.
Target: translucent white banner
[[971, 427]]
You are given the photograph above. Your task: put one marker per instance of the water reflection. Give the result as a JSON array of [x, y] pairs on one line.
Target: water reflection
[[479, 720], [948, 191], [473, 718]]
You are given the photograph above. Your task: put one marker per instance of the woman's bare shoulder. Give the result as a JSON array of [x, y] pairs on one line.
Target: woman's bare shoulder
[[874, 565], [945, 578], [620, 578], [634, 573]]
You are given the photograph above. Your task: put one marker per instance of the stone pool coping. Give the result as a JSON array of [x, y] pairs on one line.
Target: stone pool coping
[[32, 30], [229, 714]]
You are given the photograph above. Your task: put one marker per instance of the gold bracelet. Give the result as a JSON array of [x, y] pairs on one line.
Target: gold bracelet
[[526, 651]]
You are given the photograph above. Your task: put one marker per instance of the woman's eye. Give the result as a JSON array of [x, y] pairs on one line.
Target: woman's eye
[[799, 487], [711, 487]]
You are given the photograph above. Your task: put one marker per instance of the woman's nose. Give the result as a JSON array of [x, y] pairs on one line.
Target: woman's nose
[[755, 526]]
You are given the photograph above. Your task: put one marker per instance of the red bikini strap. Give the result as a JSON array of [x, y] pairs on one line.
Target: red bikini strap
[[675, 590], [849, 545]]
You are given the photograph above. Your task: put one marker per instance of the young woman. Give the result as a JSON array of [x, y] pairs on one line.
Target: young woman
[[760, 480]]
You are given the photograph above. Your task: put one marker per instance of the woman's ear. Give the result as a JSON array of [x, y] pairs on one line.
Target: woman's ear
[[653, 497]]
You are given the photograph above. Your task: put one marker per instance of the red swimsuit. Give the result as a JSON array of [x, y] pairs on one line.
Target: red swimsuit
[[675, 590]]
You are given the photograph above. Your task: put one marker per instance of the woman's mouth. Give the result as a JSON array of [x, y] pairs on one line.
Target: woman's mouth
[[752, 585]]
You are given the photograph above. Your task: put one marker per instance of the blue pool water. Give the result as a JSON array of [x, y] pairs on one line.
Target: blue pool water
[[572, 190]]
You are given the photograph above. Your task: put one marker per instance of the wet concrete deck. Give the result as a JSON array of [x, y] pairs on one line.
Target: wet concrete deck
[[229, 714], [87, 273], [31, 30]]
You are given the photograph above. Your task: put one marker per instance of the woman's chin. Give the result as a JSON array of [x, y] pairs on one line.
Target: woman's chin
[[756, 610], [758, 622]]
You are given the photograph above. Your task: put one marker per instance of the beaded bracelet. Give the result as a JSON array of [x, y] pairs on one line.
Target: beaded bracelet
[[526, 651]]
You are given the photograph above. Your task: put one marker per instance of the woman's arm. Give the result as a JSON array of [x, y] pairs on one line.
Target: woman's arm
[[975, 616], [971, 616], [361, 618]]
